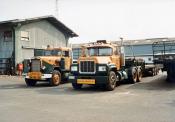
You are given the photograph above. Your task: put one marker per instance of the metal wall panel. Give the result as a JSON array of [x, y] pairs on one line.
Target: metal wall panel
[[41, 34], [27, 53]]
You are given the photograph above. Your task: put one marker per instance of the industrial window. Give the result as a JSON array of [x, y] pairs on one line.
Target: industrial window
[[38, 52], [7, 35], [24, 35], [76, 53]]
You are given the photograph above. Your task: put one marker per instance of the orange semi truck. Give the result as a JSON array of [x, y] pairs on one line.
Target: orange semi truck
[[53, 67], [103, 64]]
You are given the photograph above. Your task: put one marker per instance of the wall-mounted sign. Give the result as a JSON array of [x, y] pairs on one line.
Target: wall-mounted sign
[[24, 35]]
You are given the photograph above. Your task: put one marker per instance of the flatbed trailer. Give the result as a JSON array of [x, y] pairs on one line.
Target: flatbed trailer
[[150, 70], [164, 54]]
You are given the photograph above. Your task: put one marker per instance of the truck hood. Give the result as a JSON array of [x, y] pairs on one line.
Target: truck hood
[[100, 59], [49, 59]]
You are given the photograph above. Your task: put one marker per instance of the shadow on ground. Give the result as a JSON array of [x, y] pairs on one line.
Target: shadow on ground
[[12, 86], [45, 88], [67, 89], [159, 83], [22, 86], [149, 83]]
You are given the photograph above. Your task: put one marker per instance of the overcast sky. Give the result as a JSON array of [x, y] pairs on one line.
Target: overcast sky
[[101, 19]]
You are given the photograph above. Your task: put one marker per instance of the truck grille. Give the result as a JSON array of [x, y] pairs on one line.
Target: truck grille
[[87, 67], [35, 66]]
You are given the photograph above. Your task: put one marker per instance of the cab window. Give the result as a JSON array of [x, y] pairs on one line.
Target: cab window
[[100, 51], [65, 53]]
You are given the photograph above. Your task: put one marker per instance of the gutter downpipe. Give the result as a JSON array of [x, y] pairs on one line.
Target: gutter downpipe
[[13, 53]]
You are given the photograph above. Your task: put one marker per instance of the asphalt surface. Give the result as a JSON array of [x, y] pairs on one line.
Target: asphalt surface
[[152, 100]]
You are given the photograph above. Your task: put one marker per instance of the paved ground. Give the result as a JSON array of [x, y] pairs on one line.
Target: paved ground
[[152, 100]]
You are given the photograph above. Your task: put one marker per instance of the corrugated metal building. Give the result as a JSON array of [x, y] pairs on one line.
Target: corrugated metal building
[[19, 38]]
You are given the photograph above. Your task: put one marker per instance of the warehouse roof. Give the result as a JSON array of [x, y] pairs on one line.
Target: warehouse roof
[[51, 19], [143, 41], [132, 42]]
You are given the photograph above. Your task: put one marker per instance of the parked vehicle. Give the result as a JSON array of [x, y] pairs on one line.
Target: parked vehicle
[[53, 67], [104, 64], [164, 55]]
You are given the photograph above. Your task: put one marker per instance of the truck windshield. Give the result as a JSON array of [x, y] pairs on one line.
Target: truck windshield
[[100, 51], [52, 53]]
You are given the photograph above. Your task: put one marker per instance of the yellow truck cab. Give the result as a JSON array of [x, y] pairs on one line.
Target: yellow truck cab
[[102, 63], [53, 66]]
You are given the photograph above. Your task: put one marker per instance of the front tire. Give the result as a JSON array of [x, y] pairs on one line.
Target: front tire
[[56, 78], [112, 80], [30, 82]]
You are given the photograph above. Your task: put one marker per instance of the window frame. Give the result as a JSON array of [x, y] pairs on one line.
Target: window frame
[[23, 38]]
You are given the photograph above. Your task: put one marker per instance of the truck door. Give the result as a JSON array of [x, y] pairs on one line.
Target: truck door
[[68, 59]]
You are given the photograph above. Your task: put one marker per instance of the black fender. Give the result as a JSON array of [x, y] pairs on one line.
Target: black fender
[[112, 67], [58, 69], [120, 75]]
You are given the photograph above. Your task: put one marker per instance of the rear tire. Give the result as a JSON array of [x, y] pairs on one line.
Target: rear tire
[[156, 71], [76, 86], [133, 76], [30, 82], [139, 75], [112, 80], [56, 78]]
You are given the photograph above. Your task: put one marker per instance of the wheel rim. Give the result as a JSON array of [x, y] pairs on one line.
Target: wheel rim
[[140, 75], [113, 79], [56, 79], [134, 76], [153, 72]]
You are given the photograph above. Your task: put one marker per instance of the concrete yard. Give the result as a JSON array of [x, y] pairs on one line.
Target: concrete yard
[[152, 100]]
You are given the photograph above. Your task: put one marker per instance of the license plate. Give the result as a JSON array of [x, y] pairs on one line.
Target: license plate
[[86, 81], [35, 75]]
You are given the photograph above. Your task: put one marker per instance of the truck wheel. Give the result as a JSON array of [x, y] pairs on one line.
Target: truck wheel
[[56, 78], [157, 71], [76, 86], [139, 75], [112, 80], [133, 76], [30, 82]]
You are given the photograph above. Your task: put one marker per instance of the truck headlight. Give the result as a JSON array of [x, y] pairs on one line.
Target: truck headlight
[[74, 68], [102, 68]]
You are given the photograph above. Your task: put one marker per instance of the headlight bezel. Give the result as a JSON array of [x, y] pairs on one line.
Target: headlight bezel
[[74, 68], [102, 68]]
